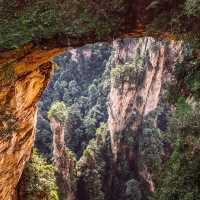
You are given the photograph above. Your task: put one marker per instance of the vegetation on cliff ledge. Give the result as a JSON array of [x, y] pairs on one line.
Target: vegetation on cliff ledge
[[59, 111], [127, 72]]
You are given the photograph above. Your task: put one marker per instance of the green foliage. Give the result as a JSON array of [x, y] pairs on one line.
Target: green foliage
[[175, 17], [192, 8], [187, 79], [37, 20], [183, 109], [82, 83], [38, 179], [182, 125], [191, 42], [59, 111], [127, 72], [101, 132], [179, 179]]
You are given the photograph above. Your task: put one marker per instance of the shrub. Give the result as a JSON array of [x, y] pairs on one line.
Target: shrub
[[128, 72], [59, 111]]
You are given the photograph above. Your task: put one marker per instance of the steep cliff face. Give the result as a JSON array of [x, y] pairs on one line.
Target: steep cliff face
[[58, 138], [23, 80], [64, 160], [141, 68]]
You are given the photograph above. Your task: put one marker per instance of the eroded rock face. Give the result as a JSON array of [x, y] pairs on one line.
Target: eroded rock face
[[63, 160], [138, 92], [22, 81], [58, 138]]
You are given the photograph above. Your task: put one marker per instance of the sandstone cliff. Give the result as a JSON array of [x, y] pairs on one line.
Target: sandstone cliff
[[64, 160], [141, 67], [24, 75]]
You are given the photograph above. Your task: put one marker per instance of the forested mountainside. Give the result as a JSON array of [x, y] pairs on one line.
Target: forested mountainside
[[132, 155], [82, 82], [149, 146]]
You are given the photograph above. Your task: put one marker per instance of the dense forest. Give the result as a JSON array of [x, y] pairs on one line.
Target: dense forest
[[118, 120], [82, 82]]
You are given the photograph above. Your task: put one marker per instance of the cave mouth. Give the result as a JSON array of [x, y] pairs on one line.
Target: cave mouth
[[82, 81]]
